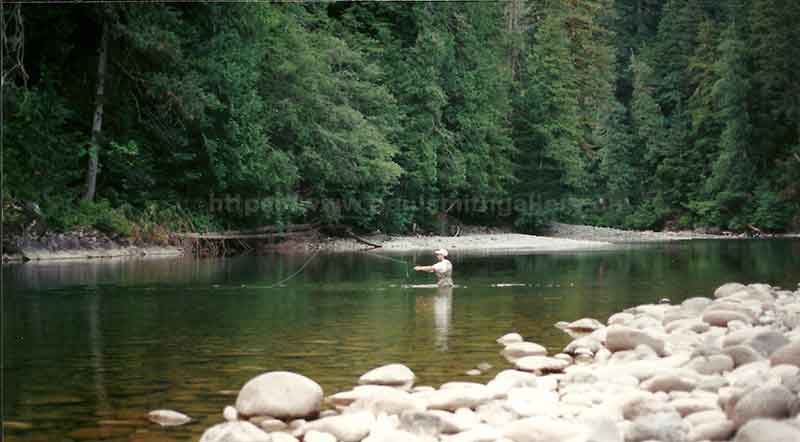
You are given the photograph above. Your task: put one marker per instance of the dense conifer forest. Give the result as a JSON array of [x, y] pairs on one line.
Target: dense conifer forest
[[643, 114]]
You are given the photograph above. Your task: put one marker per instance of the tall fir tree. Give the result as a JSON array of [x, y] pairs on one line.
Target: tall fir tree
[[631, 112], [651, 138], [620, 166], [731, 181], [551, 165]]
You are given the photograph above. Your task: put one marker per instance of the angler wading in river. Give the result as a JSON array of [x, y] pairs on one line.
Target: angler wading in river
[[443, 269]]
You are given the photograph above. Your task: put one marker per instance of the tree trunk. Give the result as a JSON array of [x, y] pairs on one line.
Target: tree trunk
[[97, 124], [513, 13]]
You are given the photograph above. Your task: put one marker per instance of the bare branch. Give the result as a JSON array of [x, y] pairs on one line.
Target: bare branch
[[13, 47]]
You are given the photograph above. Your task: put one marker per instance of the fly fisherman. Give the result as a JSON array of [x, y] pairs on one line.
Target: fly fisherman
[[443, 269]]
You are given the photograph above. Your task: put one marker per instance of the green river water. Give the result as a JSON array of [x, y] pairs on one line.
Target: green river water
[[90, 347]]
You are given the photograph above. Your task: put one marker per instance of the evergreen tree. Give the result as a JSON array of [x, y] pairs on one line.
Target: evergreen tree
[[620, 166], [550, 163], [776, 62], [731, 182], [478, 85], [680, 171], [428, 149], [637, 113], [776, 111], [634, 24], [588, 24], [671, 50], [332, 115], [651, 135], [702, 109]]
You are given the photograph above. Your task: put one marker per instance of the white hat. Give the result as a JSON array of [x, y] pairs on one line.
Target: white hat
[[442, 252]]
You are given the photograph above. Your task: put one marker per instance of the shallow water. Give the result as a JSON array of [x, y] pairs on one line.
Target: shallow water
[[90, 348]]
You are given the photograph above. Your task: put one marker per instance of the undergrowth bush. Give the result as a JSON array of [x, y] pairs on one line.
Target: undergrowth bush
[[65, 215]]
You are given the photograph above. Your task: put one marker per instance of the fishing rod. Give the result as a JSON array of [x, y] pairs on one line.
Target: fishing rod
[[405, 263], [297, 272], [314, 255]]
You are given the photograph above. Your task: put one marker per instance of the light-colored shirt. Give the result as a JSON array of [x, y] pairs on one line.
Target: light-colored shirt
[[444, 273]]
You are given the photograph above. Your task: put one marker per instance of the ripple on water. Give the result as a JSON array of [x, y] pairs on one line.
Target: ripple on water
[[99, 433], [53, 400], [16, 425], [11, 437], [130, 391], [151, 436], [122, 423]]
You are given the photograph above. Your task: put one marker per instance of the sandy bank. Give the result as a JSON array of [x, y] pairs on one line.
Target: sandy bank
[[474, 243], [559, 237], [619, 236]]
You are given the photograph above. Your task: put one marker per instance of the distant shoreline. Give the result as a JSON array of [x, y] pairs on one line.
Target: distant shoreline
[[79, 245], [480, 242], [559, 238]]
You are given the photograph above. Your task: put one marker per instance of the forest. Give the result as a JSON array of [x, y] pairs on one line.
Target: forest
[[393, 117]]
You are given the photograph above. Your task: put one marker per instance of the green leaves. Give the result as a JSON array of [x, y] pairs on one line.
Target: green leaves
[[638, 113]]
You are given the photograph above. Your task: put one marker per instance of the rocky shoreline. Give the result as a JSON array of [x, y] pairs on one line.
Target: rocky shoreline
[[80, 244], [723, 368]]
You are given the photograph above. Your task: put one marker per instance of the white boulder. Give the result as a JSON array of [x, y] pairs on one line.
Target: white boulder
[[168, 418], [392, 374], [239, 431], [279, 394]]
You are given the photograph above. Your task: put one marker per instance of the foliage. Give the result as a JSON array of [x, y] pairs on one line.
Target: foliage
[[96, 214], [549, 162], [382, 116]]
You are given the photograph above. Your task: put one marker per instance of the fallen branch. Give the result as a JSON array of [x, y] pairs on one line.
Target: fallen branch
[[755, 229], [349, 232], [12, 28], [362, 240]]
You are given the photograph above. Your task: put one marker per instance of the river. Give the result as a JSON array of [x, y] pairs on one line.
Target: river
[[91, 347]]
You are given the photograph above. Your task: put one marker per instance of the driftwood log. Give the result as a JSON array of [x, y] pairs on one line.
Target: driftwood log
[[755, 229], [364, 241], [347, 231]]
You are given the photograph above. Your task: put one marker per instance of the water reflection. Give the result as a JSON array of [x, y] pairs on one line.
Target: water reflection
[[434, 308], [442, 314]]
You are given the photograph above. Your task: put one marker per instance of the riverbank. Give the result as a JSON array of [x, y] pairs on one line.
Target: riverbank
[[92, 244], [559, 237], [618, 236], [479, 242], [719, 368], [80, 245]]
